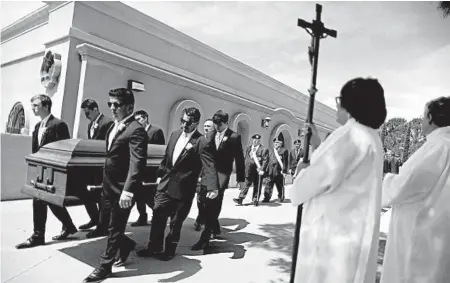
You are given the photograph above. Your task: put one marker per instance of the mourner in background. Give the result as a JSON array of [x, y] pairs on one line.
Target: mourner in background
[[208, 126], [278, 166], [256, 162], [418, 243], [49, 129], [125, 162], [97, 128], [155, 136], [228, 150], [187, 153], [295, 155], [340, 190], [391, 164]]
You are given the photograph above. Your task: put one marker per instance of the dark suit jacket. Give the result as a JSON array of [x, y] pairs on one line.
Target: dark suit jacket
[[55, 130], [179, 180], [155, 135], [294, 158], [230, 149], [104, 122], [263, 157], [274, 168], [126, 159]]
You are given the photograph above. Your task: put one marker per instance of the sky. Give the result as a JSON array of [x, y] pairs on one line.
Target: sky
[[405, 45]]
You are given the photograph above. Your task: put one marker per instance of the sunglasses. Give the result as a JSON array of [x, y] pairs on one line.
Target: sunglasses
[[188, 123], [116, 104]]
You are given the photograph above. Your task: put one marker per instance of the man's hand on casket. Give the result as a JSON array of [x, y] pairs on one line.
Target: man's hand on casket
[[126, 199]]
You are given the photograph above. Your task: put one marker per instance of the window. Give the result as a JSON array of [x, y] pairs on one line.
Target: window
[[16, 119]]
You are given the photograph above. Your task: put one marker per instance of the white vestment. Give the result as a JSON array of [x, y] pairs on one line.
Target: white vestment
[[341, 196], [418, 244]]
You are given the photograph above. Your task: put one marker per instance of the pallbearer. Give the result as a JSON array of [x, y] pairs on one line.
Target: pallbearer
[[278, 166], [256, 162]]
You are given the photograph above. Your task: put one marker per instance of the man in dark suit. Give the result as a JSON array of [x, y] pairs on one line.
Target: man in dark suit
[[278, 166], [201, 191], [187, 153], [50, 129], [126, 157], [295, 155], [155, 136], [97, 128], [228, 150], [256, 162]]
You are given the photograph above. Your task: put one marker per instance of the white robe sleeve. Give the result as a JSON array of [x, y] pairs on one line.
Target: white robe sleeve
[[417, 177], [329, 167]]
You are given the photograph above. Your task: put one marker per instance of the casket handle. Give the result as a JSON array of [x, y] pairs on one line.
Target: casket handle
[[149, 184], [47, 188]]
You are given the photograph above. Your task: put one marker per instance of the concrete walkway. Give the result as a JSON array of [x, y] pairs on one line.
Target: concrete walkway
[[256, 247]]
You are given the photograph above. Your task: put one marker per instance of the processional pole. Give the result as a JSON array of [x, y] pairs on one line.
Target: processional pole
[[317, 31]]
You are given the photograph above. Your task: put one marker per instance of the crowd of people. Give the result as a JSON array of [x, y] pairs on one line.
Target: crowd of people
[[341, 190]]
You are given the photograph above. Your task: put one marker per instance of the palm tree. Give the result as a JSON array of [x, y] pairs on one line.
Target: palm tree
[[445, 7]]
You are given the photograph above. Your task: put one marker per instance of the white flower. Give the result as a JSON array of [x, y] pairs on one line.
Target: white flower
[[95, 126], [189, 146], [224, 139], [121, 127]]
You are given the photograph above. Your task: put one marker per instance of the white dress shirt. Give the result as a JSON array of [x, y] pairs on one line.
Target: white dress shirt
[[219, 137], [180, 145], [115, 129], [43, 128], [93, 125]]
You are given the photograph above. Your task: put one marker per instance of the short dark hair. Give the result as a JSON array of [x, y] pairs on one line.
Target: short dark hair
[[141, 113], [220, 117], [439, 111], [45, 100], [126, 96], [89, 103], [192, 112], [363, 99]]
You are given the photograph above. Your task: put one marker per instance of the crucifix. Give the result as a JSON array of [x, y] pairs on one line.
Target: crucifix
[[317, 30]]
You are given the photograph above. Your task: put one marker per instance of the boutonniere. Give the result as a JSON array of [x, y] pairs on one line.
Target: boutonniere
[[224, 139], [95, 126], [189, 146], [121, 127]]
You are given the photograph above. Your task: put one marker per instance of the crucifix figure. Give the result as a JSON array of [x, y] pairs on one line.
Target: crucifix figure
[[317, 30]]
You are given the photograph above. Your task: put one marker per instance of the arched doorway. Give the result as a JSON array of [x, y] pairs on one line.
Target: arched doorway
[[16, 119], [243, 128]]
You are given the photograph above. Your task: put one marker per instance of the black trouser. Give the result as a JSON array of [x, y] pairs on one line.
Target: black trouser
[[201, 196], [252, 177], [141, 206], [278, 181], [117, 240], [212, 212], [166, 206], [40, 217]]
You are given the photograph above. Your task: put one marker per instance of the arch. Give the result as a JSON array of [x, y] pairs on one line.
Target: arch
[[241, 124], [16, 119], [286, 131], [288, 113], [239, 117], [177, 109]]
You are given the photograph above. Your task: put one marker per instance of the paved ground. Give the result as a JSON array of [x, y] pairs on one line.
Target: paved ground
[[256, 247]]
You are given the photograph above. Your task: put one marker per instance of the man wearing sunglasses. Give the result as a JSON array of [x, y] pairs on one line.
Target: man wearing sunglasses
[[187, 153], [126, 158]]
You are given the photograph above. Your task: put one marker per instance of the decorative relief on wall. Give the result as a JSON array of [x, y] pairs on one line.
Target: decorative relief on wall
[[50, 69]]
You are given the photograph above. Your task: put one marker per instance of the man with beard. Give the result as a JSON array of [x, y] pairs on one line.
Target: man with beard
[[126, 158], [228, 150], [187, 153], [97, 128]]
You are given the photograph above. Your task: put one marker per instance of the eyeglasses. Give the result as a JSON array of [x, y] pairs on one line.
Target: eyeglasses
[[188, 123], [116, 104], [338, 100]]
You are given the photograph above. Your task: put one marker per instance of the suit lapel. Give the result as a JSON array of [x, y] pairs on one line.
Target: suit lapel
[[107, 135], [184, 151], [227, 135], [96, 130], [119, 132], [45, 133], [171, 146]]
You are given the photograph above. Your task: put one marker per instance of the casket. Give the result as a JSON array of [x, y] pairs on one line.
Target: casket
[[70, 172]]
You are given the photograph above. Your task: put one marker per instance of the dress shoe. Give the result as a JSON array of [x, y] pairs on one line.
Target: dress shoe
[[65, 233], [99, 274], [87, 226], [238, 201], [123, 256], [148, 252], [96, 233], [165, 256], [266, 200], [200, 245], [140, 222], [255, 202], [31, 242], [280, 200]]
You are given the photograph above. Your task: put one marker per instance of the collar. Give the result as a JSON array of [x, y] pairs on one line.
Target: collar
[[438, 132], [124, 119], [98, 118], [189, 135], [147, 127], [45, 120]]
